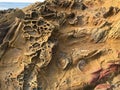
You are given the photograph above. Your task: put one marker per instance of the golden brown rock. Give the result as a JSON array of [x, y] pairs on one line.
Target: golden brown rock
[[61, 45]]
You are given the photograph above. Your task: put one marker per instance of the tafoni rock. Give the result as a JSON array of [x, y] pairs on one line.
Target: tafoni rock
[[61, 45]]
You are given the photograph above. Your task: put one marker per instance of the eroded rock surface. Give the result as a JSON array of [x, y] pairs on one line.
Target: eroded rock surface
[[61, 45]]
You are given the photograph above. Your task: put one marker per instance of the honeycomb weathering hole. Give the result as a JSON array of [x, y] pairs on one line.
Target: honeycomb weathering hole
[[34, 15], [27, 28], [40, 22], [45, 28], [41, 27], [48, 24], [27, 22], [34, 22], [35, 26]]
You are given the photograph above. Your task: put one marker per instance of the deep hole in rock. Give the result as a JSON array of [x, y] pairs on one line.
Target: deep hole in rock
[[34, 15], [35, 26], [27, 28], [40, 22]]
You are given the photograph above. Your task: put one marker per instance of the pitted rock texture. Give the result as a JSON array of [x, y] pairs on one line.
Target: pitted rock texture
[[61, 45]]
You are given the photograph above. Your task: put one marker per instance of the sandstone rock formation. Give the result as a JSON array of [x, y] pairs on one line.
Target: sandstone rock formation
[[61, 45]]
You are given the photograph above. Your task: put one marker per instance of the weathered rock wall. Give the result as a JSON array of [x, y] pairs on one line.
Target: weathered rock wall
[[61, 45]]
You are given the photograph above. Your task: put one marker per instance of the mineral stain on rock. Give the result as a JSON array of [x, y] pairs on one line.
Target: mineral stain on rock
[[61, 45]]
